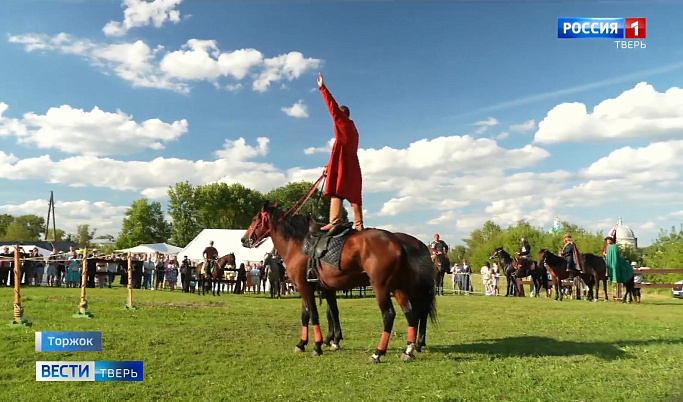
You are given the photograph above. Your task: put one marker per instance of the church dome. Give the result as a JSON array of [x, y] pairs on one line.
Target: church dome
[[625, 235]]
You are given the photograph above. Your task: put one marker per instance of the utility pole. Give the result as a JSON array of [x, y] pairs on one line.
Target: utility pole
[[51, 212]]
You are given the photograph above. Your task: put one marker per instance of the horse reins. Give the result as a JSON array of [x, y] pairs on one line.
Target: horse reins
[[293, 210]]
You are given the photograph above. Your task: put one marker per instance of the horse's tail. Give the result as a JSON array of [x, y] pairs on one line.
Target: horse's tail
[[420, 261]]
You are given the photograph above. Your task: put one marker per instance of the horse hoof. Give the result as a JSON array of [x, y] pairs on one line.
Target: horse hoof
[[315, 353], [335, 347], [418, 349], [373, 359], [407, 357], [298, 349]]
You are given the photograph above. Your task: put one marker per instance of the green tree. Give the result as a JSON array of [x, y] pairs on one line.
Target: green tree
[[458, 253], [184, 210], [226, 206], [318, 207], [57, 235], [665, 252], [144, 223], [33, 223], [17, 232], [5, 221], [84, 236]]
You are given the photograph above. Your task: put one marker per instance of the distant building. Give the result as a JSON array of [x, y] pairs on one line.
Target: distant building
[[557, 226], [625, 235]]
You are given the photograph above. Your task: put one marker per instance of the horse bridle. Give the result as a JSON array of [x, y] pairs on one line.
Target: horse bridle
[[265, 217]]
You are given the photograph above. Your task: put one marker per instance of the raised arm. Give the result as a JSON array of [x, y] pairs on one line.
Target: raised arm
[[336, 113]]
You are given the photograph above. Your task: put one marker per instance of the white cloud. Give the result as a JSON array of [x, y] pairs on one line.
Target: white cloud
[[484, 125], [326, 149], [285, 66], [523, 127], [298, 110], [202, 60], [233, 165], [197, 60], [140, 13], [490, 122], [94, 132], [502, 136], [640, 112], [655, 162], [133, 62], [100, 215]]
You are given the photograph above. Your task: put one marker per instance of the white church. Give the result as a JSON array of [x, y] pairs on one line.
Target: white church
[[624, 234]]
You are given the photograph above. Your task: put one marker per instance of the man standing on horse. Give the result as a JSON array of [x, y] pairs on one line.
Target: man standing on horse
[[438, 246], [344, 180], [571, 254], [210, 255]]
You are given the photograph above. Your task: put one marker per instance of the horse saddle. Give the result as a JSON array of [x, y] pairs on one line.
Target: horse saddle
[[327, 246]]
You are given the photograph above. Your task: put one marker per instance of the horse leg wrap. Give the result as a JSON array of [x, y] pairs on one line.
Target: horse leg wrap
[[304, 334], [384, 342], [317, 333], [412, 335]]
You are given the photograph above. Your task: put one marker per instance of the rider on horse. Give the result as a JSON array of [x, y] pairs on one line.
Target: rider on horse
[[210, 255], [571, 254], [524, 252], [344, 180], [438, 246]]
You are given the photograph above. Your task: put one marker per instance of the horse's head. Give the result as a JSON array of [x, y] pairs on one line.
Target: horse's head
[[542, 253], [261, 226], [496, 253]]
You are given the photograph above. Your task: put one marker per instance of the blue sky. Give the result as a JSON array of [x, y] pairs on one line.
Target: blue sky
[[412, 73]]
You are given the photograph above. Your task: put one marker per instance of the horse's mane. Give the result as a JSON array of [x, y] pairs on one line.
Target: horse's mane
[[293, 226], [504, 254], [550, 257]]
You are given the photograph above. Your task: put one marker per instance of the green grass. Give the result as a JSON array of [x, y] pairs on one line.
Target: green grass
[[240, 348]]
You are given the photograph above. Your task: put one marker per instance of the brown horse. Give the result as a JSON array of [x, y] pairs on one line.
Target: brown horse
[[370, 257], [216, 275], [557, 266]]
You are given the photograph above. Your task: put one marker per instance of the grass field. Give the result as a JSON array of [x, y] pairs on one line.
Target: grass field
[[239, 347]]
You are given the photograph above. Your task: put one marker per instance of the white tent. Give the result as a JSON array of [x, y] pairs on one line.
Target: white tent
[[225, 241], [162, 248]]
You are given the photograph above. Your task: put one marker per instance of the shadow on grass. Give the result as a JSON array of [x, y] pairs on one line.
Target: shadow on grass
[[536, 346]]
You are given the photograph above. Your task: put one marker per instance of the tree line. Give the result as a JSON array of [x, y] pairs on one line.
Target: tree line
[[216, 206], [28, 228], [665, 252]]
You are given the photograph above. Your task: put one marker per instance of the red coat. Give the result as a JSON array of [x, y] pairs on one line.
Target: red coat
[[344, 178]]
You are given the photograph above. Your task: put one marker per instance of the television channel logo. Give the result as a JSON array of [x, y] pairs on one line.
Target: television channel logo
[[89, 371], [634, 29], [68, 341]]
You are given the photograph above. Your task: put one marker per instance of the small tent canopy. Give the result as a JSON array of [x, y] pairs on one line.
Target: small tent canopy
[[225, 241], [26, 248], [161, 248]]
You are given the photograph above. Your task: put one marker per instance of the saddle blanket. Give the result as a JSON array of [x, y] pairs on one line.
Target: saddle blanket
[[321, 247]]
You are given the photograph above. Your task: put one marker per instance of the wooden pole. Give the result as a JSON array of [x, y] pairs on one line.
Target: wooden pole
[[19, 319], [83, 305], [130, 283]]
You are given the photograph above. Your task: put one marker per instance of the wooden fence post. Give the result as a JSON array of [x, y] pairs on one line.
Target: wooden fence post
[[83, 305], [130, 305], [19, 320]]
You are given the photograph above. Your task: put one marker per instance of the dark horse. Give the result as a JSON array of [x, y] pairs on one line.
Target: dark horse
[[216, 275], [441, 266], [370, 257], [525, 267], [510, 270], [557, 266], [595, 266]]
